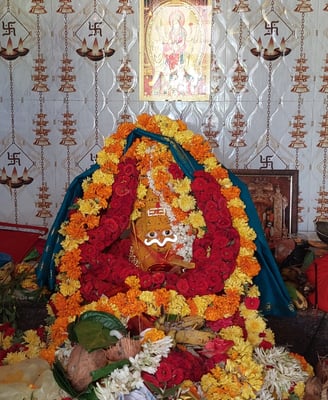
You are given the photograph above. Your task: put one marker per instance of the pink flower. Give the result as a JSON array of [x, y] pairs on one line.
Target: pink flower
[[216, 348]]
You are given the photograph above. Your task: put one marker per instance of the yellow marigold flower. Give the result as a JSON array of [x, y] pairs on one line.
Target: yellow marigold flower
[[183, 136], [231, 332], [299, 389], [182, 186], [69, 245], [149, 299], [178, 305], [141, 148], [256, 324], [237, 281], [141, 191], [102, 157], [101, 177], [269, 336], [236, 202], [253, 291], [135, 215], [69, 286], [89, 206], [196, 220], [14, 358], [210, 163], [133, 281], [186, 202], [30, 336], [202, 302], [227, 184], [246, 252], [244, 229], [6, 342]]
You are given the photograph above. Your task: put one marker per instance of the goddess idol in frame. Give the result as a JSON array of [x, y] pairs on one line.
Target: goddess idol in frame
[[175, 51]]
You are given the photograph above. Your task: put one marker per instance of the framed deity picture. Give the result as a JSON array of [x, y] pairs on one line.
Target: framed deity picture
[[175, 51], [275, 196]]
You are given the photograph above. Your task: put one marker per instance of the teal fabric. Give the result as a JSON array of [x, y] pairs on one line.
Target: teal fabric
[[46, 270], [275, 299]]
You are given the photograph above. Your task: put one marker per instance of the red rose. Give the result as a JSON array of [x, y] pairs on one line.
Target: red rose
[[252, 303], [175, 171], [164, 372], [178, 375], [183, 286]]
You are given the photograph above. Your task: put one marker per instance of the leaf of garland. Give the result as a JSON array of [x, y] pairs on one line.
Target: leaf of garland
[[61, 379], [100, 324], [108, 369]]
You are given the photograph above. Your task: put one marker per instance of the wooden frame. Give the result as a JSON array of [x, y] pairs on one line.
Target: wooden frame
[[175, 50], [275, 196]]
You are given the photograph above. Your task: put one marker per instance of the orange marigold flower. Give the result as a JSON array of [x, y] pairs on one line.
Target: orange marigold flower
[[223, 306], [237, 212], [143, 119], [152, 126], [219, 173], [76, 227], [110, 166], [231, 192], [301, 360], [193, 307], [116, 148], [124, 130], [248, 244], [104, 306], [162, 297], [59, 331], [69, 306], [48, 354], [98, 191], [179, 214], [182, 125], [153, 335], [249, 265], [69, 263]]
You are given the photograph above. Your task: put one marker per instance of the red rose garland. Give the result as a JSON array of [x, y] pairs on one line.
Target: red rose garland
[[104, 259]]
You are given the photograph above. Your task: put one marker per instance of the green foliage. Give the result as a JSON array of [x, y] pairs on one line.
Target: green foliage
[[92, 330], [12, 293]]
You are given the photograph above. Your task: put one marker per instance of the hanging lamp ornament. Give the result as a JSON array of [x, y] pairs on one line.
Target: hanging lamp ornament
[[304, 6], [38, 7], [65, 8], [242, 6], [125, 7]]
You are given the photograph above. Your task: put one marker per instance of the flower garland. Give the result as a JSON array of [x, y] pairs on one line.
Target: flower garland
[[95, 271]]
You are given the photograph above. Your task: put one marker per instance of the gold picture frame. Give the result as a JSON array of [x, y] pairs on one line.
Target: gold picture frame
[[275, 196], [175, 51]]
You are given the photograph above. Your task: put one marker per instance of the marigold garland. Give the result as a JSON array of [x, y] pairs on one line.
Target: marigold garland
[[221, 292]]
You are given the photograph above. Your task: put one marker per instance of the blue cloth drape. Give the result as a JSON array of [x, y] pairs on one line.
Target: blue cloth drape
[[275, 299]]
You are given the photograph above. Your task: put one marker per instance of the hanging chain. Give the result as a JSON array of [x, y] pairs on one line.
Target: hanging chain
[[96, 104], [269, 105], [12, 114], [324, 170]]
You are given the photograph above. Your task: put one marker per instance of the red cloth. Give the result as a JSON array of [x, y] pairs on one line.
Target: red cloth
[[317, 275], [18, 240]]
